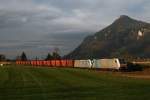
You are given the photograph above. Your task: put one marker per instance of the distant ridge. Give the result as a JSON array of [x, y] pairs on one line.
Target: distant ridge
[[125, 37]]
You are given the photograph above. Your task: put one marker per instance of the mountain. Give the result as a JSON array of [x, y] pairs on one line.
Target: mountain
[[125, 37]]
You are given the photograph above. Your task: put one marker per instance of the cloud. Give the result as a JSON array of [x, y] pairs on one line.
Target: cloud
[[39, 20], [67, 15], [40, 48]]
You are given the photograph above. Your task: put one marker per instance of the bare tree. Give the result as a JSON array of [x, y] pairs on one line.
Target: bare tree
[[56, 53], [49, 57]]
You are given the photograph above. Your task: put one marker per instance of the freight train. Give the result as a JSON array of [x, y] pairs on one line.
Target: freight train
[[91, 64]]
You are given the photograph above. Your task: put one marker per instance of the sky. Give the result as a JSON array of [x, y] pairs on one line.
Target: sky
[[37, 27]]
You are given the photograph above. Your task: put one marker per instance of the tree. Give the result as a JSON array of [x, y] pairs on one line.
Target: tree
[[23, 56], [55, 54], [18, 58], [49, 57], [2, 57]]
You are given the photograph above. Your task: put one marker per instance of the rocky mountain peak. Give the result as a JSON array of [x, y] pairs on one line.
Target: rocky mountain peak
[[124, 37]]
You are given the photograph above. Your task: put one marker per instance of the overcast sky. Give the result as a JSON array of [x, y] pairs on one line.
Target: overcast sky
[[38, 26]]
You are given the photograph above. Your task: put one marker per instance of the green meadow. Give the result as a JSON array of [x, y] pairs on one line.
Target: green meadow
[[28, 83]]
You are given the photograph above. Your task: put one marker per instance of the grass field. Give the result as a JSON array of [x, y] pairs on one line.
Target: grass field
[[25, 83]]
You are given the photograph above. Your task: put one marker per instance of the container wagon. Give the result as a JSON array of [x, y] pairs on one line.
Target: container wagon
[[106, 64], [82, 64]]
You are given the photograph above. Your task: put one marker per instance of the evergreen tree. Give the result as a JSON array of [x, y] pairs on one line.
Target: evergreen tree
[[23, 56], [2, 57]]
